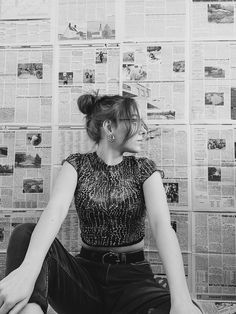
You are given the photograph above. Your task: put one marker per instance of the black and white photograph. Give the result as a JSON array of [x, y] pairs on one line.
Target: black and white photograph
[[101, 56], [101, 29], [88, 76], [30, 71], [6, 169], [73, 31], [216, 143], [128, 56], [221, 13], [32, 185], [24, 160], [172, 192], [134, 72], [179, 66], [214, 99], [214, 174], [33, 138], [65, 78], [214, 72], [154, 54], [3, 151]]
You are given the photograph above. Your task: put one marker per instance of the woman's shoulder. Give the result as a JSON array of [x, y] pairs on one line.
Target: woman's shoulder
[[77, 159]]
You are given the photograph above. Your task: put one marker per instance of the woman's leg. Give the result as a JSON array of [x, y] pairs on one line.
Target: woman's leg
[[31, 308], [62, 282]]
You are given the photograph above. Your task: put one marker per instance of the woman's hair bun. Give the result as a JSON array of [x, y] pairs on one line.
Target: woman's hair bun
[[86, 103]]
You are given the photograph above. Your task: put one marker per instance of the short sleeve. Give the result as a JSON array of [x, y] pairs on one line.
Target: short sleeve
[[147, 167], [74, 160]]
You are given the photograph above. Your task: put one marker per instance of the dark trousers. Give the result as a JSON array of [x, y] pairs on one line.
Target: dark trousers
[[74, 285]]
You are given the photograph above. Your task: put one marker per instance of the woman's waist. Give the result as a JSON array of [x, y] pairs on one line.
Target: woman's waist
[[119, 249], [114, 255]]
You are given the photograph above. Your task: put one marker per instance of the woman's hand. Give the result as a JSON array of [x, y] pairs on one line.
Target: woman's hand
[[15, 290], [185, 308]]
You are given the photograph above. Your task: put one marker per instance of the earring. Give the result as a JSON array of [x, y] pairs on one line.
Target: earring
[[111, 138]]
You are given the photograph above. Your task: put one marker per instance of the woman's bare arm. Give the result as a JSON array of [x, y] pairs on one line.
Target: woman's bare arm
[[167, 244]]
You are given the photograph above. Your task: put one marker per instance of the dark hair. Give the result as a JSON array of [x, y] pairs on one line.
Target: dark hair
[[113, 108]]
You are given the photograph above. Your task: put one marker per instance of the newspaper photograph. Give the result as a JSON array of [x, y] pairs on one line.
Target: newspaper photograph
[[154, 19], [87, 69], [214, 145], [25, 163], [160, 102], [214, 277], [213, 84], [26, 86], [213, 20], [214, 233], [87, 20]]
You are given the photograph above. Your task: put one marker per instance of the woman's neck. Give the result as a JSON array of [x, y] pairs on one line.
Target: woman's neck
[[108, 154]]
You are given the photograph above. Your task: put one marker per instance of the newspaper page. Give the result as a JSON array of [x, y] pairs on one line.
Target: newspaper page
[[25, 21], [214, 233], [162, 19], [213, 188], [217, 307], [155, 74], [180, 222], [167, 146], [213, 84], [86, 69], [69, 233], [87, 20], [68, 141], [158, 269], [25, 86], [214, 145], [214, 276], [2, 263], [10, 219], [213, 19], [25, 163]]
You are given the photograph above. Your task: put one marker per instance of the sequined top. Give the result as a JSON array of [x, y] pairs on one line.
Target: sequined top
[[109, 199]]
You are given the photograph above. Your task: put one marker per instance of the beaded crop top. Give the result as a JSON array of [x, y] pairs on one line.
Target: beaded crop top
[[109, 199]]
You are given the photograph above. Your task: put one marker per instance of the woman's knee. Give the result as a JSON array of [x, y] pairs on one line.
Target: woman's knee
[[21, 233]]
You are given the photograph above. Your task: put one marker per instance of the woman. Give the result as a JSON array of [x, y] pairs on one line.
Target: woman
[[112, 194]]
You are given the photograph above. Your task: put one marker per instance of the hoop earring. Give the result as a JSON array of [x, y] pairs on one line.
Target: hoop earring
[[111, 138]]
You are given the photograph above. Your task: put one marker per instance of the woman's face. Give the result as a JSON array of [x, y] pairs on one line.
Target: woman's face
[[134, 143]]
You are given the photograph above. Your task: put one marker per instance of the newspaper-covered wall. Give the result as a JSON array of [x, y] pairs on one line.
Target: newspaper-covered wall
[[178, 59]]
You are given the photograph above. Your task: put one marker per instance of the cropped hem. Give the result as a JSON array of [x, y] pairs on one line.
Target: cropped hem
[[120, 245]]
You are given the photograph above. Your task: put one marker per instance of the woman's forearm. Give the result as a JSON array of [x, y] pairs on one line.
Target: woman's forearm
[[170, 254], [42, 237]]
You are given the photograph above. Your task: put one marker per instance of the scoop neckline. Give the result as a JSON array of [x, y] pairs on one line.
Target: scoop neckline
[[102, 162]]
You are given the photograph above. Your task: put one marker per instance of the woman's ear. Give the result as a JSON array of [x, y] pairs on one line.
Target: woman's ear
[[107, 126]]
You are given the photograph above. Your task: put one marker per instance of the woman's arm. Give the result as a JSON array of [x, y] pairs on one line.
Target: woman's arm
[[16, 288], [167, 244], [52, 217]]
